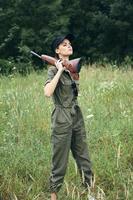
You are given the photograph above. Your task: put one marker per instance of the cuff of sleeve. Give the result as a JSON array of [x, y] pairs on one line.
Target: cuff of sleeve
[[48, 81]]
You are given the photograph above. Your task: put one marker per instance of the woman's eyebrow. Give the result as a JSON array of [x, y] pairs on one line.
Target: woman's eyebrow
[[66, 43]]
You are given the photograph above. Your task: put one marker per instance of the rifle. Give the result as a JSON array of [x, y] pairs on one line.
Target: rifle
[[74, 66]]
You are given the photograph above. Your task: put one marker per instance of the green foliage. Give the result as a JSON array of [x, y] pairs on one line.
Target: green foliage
[[9, 67], [10, 43], [6, 66]]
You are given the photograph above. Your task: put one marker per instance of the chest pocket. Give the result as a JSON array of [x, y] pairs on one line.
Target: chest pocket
[[66, 86], [65, 81], [70, 87]]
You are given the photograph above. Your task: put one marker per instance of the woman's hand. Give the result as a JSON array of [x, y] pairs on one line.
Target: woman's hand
[[59, 65]]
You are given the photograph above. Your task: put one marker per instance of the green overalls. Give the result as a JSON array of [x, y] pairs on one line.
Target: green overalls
[[68, 132]]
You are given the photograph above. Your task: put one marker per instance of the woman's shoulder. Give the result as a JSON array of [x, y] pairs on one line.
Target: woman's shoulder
[[52, 69]]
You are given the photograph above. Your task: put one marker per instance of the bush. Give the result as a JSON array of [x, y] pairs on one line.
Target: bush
[[8, 67], [127, 63]]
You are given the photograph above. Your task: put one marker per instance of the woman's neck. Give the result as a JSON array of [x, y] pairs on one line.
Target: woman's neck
[[64, 57]]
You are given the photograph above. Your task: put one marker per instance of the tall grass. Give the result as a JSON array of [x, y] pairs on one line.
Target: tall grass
[[106, 99]]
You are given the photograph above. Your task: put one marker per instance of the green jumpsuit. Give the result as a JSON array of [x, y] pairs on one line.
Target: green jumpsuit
[[68, 132]]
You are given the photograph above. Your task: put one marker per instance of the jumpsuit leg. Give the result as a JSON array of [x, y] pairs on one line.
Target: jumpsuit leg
[[61, 142], [79, 148]]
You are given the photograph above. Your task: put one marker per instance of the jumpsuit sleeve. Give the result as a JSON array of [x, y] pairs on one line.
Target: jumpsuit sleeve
[[50, 74]]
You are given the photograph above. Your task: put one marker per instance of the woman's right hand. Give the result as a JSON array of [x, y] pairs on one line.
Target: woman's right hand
[[59, 65]]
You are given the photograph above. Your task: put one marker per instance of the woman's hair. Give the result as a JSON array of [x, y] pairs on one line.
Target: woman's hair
[[56, 56]]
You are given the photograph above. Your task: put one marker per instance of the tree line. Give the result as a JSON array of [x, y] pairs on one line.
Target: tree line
[[103, 29]]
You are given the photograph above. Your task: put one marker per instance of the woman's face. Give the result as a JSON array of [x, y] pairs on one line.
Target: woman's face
[[64, 48]]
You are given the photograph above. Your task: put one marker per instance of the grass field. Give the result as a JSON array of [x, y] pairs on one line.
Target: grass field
[[106, 99]]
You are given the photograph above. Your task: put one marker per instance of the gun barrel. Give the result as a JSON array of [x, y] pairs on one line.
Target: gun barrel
[[35, 54]]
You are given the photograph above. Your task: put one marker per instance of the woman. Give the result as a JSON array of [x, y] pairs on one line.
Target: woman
[[68, 129]]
